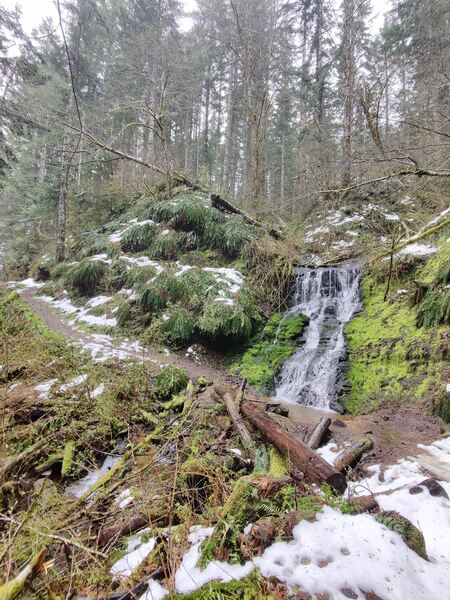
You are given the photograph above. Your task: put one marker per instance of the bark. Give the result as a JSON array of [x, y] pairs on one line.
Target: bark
[[352, 454], [318, 432], [348, 51], [61, 215], [298, 453]]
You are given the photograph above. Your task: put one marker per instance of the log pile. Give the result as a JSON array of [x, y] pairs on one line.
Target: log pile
[[300, 454]]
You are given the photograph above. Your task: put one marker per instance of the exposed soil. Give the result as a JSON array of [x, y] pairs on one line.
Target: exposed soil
[[396, 431]]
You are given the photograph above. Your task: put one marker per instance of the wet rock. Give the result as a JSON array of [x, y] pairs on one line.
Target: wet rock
[[433, 486]]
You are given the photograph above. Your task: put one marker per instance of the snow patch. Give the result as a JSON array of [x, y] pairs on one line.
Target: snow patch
[[79, 488], [417, 250]]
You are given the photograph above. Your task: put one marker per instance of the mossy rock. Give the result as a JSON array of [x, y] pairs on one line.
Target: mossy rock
[[276, 344], [412, 536], [171, 380]]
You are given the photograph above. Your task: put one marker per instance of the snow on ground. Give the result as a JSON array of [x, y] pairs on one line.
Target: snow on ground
[[79, 488], [101, 258], [124, 498], [25, 283], [142, 261], [137, 551], [350, 555], [118, 235], [44, 388], [105, 347], [189, 577], [73, 383], [98, 391], [101, 321], [417, 250], [98, 301], [81, 314]]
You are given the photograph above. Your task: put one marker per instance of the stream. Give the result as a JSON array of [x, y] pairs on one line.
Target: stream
[[329, 296]]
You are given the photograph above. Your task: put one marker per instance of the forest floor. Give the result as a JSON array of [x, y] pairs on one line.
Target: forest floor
[[395, 431]]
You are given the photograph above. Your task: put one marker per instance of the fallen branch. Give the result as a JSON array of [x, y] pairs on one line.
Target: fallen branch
[[318, 432], [302, 456], [352, 454]]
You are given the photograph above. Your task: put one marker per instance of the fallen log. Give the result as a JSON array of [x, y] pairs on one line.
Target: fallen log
[[236, 418], [318, 432], [116, 531], [302, 456], [352, 454]]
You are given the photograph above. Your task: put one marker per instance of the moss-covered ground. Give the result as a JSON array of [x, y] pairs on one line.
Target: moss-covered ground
[[394, 356]]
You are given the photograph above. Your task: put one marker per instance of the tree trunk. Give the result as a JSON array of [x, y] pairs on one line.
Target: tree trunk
[[348, 52]]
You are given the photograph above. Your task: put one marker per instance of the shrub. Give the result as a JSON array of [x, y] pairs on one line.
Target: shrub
[[434, 309], [86, 277], [175, 287], [95, 243], [153, 299], [138, 238], [60, 270], [167, 245], [221, 321], [171, 380], [139, 276], [179, 327]]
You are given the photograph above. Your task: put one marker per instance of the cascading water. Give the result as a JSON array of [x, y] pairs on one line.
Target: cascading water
[[329, 296]]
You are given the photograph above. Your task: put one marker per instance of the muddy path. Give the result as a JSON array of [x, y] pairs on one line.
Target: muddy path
[[396, 430]]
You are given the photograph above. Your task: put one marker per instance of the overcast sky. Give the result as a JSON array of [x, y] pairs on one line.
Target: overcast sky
[[33, 11]]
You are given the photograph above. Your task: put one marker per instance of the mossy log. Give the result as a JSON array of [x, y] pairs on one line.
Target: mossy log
[[10, 590], [302, 456], [352, 454]]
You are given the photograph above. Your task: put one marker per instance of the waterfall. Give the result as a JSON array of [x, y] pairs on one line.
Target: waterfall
[[329, 296]]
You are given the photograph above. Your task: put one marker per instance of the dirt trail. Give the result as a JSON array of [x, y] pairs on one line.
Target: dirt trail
[[396, 431], [107, 346]]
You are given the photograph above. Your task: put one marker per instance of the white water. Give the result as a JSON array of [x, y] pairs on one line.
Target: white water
[[329, 296]]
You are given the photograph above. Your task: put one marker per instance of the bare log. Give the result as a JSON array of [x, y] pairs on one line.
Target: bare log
[[116, 531], [352, 454], [301, 455], [233, 411], [318, 432]]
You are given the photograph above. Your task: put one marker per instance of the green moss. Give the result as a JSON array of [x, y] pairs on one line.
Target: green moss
[[171, 380], [67, 459], [412, 536], [246, 504], [278, 341], [390, 357], [175, 404]]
